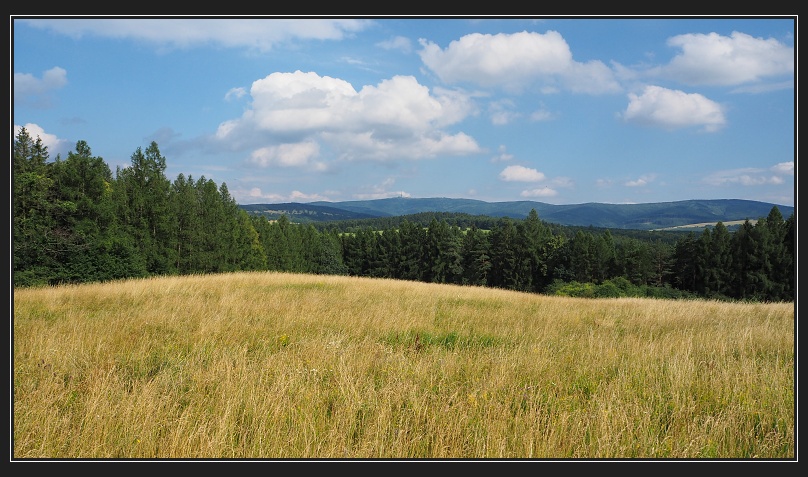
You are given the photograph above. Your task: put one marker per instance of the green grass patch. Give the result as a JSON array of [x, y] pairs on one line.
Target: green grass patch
[[452, 340]]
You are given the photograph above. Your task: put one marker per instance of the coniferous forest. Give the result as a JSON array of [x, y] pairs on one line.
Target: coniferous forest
[[77, 222]]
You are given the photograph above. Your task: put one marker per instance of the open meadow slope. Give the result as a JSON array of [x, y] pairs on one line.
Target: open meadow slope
[[276, 365]]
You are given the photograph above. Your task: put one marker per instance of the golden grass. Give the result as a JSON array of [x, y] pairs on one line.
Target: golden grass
[[276, 365]]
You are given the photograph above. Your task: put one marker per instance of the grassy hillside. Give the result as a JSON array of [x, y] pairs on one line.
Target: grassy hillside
[[273, 365]]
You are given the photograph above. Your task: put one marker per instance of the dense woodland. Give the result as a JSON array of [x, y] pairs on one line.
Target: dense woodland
[[75, 222]]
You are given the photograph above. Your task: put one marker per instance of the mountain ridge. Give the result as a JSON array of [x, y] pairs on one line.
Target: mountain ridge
[[642, 216]]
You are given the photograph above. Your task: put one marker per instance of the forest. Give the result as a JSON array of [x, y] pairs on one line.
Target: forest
[[77, 222]]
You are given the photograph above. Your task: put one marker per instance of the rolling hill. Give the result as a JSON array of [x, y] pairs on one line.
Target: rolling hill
[[648, 216]]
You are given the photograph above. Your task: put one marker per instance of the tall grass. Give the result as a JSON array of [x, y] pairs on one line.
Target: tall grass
[[274, 365]]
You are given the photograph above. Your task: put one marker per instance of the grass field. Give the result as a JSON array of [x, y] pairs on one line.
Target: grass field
[[285, 366]]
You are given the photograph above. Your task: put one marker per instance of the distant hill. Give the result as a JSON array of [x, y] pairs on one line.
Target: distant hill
[[659, 215]]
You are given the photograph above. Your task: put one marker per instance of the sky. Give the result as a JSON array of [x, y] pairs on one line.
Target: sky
[[568, 110]]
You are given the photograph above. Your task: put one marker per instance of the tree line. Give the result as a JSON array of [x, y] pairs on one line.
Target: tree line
[[76, 222]]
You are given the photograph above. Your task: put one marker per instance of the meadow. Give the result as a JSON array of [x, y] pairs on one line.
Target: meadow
[[267, 365]]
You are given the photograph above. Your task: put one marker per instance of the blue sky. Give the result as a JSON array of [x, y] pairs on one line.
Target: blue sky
[[556, 110]]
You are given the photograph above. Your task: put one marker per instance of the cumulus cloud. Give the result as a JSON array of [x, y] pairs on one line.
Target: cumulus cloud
[[546, 191], [34, 91], [713, 59], [260, 34], [521, 174], [673, 109], [515, 62], [395, 119], [592, 77], [287, 155]]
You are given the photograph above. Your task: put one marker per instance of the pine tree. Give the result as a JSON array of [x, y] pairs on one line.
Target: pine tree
[[250, 252], [329, 261], [684, 267], [603, 254], [718, 262], [188, 228], [789, 265], [388, 243], [745, 267], [146, 214], [476, 260], [581, 256], [33, 240], [87, 222], [780, 259], [634, 256], [504, 259], [413, 242], [535, 238]]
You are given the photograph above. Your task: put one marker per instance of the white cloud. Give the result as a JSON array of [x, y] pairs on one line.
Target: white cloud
[[603, 183], [34, 91], [502, 118], [502, 112], [673, 109], [352, 60], [235, 93], [295, 196], [520, 174], [747, 176], [563, 182], [285, 155], [515, 62], [401, 102], [541, 192], [399, 43], [503, 155], [636, 183], [784, 168], [642, 181], [380, 191], [301, 102], [541, 115], [713, 59], [764, 87], [396, 119], [381, 195], [259, 33], [592, 77], [456, 105]]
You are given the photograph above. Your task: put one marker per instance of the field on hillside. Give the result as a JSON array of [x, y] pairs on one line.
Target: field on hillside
[[285, 366], [701, 226]]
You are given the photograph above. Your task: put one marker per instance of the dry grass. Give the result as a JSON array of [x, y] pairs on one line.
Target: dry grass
[[272, 365]]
